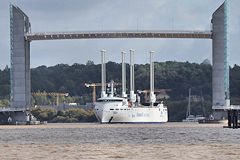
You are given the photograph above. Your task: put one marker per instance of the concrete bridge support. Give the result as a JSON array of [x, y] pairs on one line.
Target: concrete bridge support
[[20, 62], [220, 58]]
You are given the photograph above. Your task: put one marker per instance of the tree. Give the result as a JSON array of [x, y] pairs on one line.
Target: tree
[[89, 63]]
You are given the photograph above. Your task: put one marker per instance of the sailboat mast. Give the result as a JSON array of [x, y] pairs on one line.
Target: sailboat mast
[[189, 103]]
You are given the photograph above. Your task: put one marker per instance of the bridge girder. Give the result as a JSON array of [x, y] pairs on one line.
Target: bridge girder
[[118, 34]]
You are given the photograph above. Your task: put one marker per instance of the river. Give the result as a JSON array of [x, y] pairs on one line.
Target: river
[[119, 141]]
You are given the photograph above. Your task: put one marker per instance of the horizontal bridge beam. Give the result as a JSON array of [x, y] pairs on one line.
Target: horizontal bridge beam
[[118, 34]]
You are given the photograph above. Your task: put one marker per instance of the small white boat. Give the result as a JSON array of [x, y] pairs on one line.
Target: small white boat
[[189, 117]]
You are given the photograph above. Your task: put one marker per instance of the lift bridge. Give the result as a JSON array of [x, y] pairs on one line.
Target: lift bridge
[[21, 37]]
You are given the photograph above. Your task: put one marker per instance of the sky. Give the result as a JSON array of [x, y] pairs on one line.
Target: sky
[[100, 15]]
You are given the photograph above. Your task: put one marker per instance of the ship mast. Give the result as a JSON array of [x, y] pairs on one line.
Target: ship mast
[[103, 93], [132, 95], [124, 95], [152, 97]]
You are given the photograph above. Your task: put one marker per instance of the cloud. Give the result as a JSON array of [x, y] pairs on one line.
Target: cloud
[[72, 15]]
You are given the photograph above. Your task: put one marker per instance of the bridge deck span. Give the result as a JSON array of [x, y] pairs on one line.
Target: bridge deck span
[[118, 34]]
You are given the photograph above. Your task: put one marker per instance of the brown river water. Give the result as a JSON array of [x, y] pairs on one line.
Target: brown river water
[[119, 141]]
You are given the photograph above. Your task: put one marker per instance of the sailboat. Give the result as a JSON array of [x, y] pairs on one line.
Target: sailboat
[[189, 117]]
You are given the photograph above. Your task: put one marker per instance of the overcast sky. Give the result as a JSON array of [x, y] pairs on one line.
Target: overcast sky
[[85, 15]]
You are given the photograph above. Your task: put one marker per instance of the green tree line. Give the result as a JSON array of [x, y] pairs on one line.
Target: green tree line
[[68, 116], [177, 76]]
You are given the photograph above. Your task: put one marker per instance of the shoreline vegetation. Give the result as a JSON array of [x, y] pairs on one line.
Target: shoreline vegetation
[[64, 78], [176, 112], [72, 115]]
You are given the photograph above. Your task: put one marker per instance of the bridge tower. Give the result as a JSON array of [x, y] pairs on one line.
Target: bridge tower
[[20, 63], [220, 59]]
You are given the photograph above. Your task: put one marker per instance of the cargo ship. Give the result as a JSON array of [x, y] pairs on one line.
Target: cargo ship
[[127, 108]]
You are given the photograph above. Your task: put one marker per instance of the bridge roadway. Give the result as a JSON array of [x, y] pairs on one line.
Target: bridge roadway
[[118, 34]]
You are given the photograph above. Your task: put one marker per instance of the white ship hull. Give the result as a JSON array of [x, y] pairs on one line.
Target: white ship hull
[[117, 112]]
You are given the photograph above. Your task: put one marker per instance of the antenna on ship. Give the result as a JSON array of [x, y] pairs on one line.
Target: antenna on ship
[[132, 95], [112, 89], [124, 95], [103, 93], [152, 97]]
